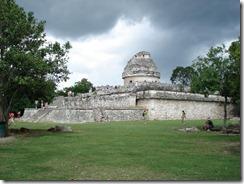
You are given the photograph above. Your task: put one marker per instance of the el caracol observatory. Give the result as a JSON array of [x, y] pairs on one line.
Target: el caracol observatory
[[142, 90], [140, 68]]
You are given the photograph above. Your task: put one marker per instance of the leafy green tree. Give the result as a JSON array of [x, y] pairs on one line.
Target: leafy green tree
[[41, 90], [28, 61], [82, 86], [61, 92], [213, 73], [182, 76], [235, 59]]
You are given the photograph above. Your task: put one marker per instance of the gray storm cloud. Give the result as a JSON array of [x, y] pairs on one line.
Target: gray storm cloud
[[194, 24], [74, 18]]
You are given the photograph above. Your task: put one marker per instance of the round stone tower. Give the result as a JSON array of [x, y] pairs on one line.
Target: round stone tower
[[140, 68]]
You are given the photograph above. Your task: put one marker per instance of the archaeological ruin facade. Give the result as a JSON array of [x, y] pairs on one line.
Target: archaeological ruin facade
[[142, 90]]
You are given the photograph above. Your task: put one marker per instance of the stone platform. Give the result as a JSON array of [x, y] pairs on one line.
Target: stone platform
[[76, 115]]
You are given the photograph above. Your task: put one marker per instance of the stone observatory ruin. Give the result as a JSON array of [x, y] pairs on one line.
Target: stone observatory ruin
[[142, 90], [140, 68]]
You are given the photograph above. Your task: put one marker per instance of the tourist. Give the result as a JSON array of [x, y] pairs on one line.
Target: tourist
[[11, 118], [144, 114], [208, 125], [183, 116]]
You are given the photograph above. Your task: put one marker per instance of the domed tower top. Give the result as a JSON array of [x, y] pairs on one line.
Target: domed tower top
[[140, 68]]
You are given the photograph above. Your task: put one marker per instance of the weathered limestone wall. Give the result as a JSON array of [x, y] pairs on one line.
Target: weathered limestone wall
[[171, 109], [169, 105], [105, 101], [124, 115], [84, 115], [138, 86], [29, 112], [68, 116], [174, 95], [129, 106]]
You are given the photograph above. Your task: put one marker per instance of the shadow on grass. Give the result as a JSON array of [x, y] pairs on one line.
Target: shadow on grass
[[26, 132]]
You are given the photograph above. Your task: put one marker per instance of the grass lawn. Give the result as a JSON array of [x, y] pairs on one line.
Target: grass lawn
[[145, 150]]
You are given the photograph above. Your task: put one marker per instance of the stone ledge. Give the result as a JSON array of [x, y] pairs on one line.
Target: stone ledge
[[62, 115], [171, 95], [90, 109]]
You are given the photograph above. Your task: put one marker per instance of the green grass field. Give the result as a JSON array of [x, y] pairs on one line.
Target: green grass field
[[145, 150]]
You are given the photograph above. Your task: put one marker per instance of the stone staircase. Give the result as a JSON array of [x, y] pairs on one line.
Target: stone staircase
[[41, 113]]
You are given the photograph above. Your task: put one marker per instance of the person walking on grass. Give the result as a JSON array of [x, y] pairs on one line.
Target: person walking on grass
[[183, 117]]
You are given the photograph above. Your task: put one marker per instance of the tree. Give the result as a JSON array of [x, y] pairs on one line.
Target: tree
[[82, 86], [41, 90], [27, 60], [213, 73], [182, 76], [235, 59]]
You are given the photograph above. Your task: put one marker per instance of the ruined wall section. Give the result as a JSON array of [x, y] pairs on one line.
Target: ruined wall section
[[88, 107], [169, 105], [173, 95], [29, 112], [115, 101], [91, 107], [85, 115], [68, 116], [124, 114], [138, 86]]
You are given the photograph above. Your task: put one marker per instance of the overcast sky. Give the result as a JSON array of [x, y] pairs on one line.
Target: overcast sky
[[105, 34]]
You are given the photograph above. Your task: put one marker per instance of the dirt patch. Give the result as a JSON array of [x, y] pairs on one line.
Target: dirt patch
[[232, 148], [26, 132], [4, 140]]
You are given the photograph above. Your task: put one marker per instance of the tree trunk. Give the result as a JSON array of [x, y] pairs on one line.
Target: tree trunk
[[225, 111], [3, 110], [3, 117]]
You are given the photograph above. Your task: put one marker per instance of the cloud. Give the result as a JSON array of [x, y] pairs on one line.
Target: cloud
[[102, 58], [106, 33], [75, 18]]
